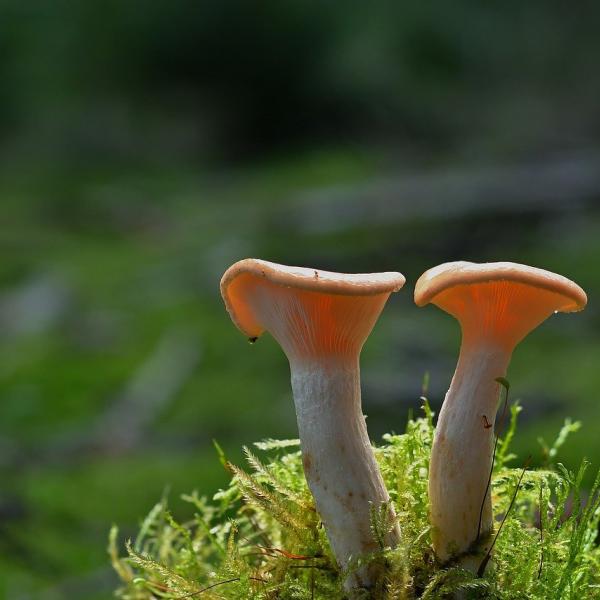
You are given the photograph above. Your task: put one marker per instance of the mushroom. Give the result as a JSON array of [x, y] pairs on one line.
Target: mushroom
[[321, 320], [497, 305]]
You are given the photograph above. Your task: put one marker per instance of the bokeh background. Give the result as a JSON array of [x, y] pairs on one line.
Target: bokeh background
[[147, 145]]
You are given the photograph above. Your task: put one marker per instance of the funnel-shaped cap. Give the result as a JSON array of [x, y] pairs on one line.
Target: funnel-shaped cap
[[503, 301], [308, 311]]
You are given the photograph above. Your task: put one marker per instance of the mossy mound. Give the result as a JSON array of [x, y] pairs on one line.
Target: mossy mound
[[261, 537]]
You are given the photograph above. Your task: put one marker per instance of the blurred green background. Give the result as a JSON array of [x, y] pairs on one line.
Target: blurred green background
[[147, 145]]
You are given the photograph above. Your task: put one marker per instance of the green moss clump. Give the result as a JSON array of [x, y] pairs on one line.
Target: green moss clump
[[261, 537]]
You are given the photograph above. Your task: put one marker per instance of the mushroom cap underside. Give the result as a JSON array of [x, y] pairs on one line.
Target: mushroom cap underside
[[437, 283], [243, 278]]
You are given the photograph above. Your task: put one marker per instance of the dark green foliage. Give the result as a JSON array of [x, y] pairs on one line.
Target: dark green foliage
[[261, 537]]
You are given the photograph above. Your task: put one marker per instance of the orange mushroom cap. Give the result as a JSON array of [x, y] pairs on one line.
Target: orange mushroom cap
[[504, 300], [308, 311]]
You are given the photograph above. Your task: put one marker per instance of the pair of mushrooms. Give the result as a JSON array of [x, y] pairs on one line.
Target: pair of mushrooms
[[322, 319]]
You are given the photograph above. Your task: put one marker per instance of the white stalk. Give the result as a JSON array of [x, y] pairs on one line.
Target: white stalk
[[338, 459], [461, 456]]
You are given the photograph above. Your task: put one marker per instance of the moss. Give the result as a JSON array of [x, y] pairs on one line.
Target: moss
[[261, 537]]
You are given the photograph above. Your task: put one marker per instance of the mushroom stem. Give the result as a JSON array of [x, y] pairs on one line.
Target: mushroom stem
[[338, 459], [461, 456]]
